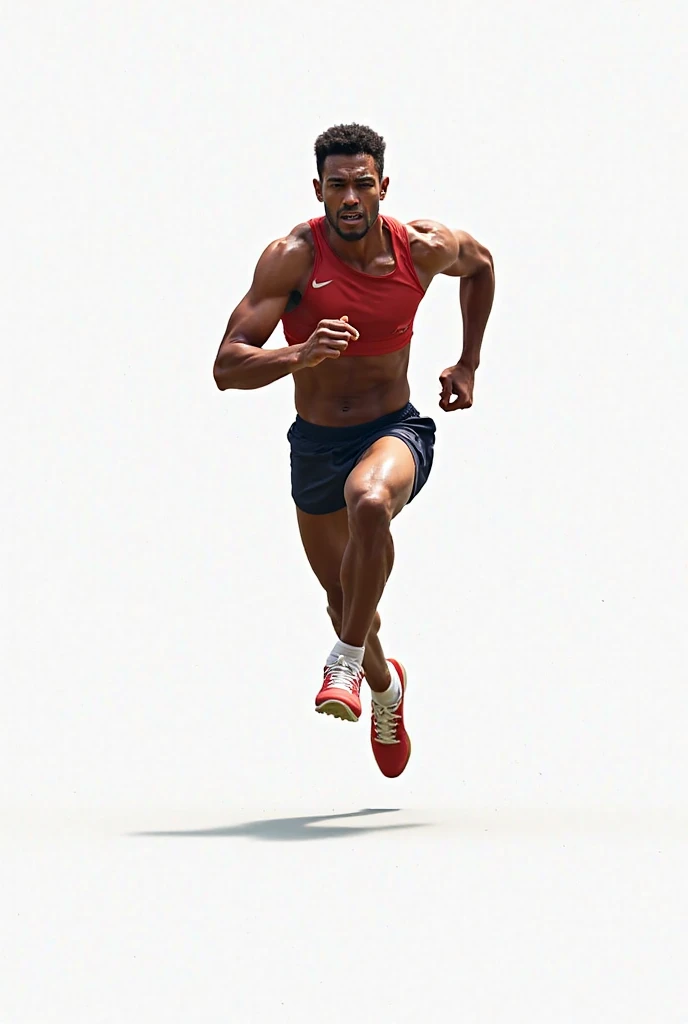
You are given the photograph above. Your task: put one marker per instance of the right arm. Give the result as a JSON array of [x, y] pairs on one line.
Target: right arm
[[241, 361]]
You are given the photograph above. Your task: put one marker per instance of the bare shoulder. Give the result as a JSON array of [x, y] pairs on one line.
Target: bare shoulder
[[438, 249], [295, 247], [285, 260], [302, 233], [433, 245]]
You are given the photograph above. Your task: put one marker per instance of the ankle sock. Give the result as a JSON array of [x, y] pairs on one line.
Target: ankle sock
[[352, 653], [392, 695]]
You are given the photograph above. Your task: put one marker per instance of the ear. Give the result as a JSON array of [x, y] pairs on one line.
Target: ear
[[318, 190], [384, 185]]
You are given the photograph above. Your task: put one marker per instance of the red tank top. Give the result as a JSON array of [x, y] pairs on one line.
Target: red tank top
[[382, 309]]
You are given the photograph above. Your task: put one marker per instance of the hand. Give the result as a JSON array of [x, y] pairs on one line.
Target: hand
[[456, 380], [329, 339]]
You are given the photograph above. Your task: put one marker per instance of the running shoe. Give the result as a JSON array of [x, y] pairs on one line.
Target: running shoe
[[340, 692], [389, 739]]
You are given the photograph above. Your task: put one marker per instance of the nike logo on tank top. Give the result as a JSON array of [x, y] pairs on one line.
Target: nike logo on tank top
[[382, 309]]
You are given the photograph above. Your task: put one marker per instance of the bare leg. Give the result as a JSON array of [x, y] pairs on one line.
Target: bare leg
[[366, 566], [377, 489], [325, 539]]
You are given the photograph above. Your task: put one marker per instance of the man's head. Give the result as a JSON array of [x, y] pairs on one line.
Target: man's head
[[350, 162]]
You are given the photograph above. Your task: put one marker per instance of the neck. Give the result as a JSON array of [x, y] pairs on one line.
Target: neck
[[362, 251]]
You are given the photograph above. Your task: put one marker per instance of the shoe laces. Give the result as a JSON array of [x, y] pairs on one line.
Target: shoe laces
[[344, 675], [385, 721]]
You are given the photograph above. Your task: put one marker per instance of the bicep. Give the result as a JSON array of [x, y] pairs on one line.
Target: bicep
[[472, 256], [277, 274], [255, 318]]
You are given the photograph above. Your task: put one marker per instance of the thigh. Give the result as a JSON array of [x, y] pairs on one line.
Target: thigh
[[324, 540], [386, 472]]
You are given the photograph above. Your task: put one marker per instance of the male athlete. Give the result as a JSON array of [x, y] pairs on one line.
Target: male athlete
[[346, 287]]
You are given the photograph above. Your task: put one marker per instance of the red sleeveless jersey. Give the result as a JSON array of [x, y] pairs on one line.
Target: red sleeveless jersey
[[382, 309]]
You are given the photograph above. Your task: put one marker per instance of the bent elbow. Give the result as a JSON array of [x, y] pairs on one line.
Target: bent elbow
[[220, 377]]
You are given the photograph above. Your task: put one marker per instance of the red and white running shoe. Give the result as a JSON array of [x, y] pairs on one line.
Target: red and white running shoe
[[390, 741], [341, 690]]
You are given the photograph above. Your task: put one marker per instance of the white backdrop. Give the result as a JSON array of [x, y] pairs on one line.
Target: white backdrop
[[164, 636]]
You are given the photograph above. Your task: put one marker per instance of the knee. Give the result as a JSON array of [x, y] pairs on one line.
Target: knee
[[370, 512]]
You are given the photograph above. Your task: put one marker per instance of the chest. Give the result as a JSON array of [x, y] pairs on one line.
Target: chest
[[374, 304]]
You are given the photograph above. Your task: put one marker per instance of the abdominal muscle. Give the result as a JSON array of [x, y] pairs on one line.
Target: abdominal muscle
[[352, 389]]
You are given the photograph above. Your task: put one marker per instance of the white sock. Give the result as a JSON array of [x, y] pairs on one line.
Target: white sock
[[352, 653], [392, 695]]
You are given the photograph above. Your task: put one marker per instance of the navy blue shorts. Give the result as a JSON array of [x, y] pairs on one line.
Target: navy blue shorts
[[323, 457]]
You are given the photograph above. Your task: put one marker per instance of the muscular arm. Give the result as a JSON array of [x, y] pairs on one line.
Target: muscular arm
[[436, 250], [475, 267], [241, 361], [458, 254]]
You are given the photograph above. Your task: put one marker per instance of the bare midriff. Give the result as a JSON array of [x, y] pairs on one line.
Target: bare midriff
[[348, 391]]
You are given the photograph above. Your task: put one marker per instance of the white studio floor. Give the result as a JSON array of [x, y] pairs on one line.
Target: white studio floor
[[341, 912]]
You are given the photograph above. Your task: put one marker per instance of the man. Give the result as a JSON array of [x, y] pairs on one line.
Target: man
[[346, 287]]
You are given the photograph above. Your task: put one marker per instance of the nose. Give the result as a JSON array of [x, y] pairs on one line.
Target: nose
[[350, 198]]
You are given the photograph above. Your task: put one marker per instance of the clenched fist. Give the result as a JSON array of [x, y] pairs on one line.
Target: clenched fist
[[456, 381], [329, 339]]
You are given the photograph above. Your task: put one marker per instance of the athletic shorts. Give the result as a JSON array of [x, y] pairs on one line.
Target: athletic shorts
[[323, 457]]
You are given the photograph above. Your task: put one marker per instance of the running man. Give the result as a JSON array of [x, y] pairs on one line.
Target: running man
[[346, 287]]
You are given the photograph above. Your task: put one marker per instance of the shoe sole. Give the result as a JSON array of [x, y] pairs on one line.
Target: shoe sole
[[337, 709]]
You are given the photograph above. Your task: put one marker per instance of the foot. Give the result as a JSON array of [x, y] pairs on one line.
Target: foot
[[389, 739], [340, 692]]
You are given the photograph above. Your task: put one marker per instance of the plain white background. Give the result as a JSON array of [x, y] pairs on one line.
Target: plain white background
[[163, 636]]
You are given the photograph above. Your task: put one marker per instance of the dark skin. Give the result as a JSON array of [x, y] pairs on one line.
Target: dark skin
[[351, 551]]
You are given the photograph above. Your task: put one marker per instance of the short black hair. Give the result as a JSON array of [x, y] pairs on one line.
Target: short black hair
[[350, 139]]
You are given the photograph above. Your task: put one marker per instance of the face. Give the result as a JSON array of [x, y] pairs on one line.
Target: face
[[351, 192]]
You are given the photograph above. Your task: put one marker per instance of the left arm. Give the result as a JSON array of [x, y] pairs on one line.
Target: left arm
[[458, 254], [475, 267]]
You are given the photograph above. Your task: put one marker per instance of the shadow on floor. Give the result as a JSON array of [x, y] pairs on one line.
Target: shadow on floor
[[296, 829]]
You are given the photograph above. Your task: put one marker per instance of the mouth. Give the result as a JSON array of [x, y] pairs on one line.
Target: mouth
[[351, 218]]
